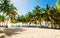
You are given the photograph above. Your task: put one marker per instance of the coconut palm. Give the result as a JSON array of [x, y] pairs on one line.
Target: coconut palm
[[2, 18], [47, 15], [7, 8], [35, 15], [37, 12], [51, 14], [29, 16], [57, 19], [58, 4]]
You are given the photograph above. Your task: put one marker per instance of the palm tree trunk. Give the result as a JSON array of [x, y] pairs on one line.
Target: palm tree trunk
[[7, 23]]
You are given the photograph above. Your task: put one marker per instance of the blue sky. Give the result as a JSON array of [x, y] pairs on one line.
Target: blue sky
[[25, 6]]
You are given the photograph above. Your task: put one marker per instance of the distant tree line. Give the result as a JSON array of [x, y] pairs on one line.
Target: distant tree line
[[37, 15]]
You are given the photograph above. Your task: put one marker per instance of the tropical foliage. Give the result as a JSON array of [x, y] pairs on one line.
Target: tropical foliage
[[2, 18], [58, 4], [37, 15], [8, 9]]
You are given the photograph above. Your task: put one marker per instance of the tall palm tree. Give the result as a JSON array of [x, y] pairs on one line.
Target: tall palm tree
[[49, 14], [37, 12], [7, 8]]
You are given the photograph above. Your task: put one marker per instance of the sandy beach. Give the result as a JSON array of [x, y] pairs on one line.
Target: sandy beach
[[29, 32]]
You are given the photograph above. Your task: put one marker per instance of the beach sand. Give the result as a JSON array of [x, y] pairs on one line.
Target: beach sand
[[29, 32]]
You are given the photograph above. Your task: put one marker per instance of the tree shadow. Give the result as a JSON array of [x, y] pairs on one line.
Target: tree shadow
[[10, 32], [2, 36]]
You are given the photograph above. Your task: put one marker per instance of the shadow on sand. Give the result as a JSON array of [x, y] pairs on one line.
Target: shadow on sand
[[10, 32], [2, 36]]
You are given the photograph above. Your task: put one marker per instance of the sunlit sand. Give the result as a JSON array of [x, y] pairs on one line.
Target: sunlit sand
[[29, 32]]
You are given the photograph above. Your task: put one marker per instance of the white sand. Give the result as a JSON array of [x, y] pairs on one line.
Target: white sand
[[35, 33]]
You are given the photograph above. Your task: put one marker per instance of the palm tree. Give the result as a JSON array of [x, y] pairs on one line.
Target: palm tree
[[2, 18], [37, 12], [56, 18], [35, 15], [48, 14], [29, 16], [58, 4], [51, 14], [7, 8]]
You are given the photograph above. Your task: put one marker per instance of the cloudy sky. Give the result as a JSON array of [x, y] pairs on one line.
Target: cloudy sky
[[25, 6]]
